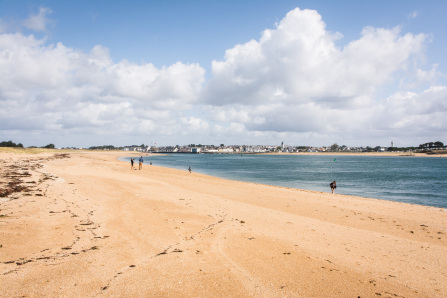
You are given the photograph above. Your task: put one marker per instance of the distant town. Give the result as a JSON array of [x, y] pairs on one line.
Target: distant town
[[248, 149]]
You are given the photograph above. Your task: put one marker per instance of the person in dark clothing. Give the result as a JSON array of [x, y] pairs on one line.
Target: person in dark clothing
[[333, 186]]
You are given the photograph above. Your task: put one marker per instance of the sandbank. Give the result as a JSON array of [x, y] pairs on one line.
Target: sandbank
[[82, 224]]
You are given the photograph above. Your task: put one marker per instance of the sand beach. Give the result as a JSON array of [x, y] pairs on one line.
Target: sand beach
[[83, 224]]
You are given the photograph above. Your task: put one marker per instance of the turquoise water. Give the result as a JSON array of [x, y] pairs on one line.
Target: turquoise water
[[415, 180]]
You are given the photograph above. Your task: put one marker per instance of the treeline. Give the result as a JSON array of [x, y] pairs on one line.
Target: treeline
[[426, 147], [10, 144], [432, 145], [105, 147], [19, 145], [400, 149]]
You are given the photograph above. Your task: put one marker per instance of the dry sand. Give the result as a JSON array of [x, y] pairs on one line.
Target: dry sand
[[85, 224]]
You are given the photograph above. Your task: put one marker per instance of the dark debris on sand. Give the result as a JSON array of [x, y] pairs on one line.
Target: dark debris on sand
[[17, 176]]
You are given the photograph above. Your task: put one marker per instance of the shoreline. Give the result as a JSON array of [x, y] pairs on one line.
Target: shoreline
[[91, 226], [394, 154], [34, 151], [391, 154], [375, 195]]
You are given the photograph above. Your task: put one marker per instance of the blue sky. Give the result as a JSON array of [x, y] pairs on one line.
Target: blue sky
[[357, 73]]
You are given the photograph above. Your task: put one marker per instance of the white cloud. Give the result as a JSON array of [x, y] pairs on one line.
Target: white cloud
[[295, 79], [39, 21], [193, 124], [429, 76], [53, 87], [293, 84], [298, 62], [416, 113]]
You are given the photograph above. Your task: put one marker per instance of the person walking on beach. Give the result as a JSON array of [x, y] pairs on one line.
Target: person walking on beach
[[140, 166], [189, 170], [333, 186], [131, 163]]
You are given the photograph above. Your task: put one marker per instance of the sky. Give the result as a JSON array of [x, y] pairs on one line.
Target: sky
[[254, 72]]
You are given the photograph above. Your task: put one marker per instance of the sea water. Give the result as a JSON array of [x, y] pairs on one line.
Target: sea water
[[415, 180]]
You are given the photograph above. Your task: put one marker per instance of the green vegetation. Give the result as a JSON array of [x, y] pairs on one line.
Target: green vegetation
[[401, 149], [10, 144], [432, 145], [334, 147], [106, 147]]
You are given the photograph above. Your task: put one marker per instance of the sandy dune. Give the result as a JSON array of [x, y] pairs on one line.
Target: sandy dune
[[85, 224]]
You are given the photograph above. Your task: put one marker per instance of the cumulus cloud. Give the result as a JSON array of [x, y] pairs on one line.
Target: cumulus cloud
[[39, 21], [193, 124], [299, 62], [296, 79], [54, 87], [295, 83], [409, 112]]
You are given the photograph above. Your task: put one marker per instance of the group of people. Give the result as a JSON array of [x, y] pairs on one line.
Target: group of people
[[140, 164], [333, 184]]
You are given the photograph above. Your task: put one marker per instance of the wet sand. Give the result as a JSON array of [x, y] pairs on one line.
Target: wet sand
[[85, 224]]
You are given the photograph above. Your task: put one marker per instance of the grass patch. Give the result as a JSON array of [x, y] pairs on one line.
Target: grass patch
[[13, 150]]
